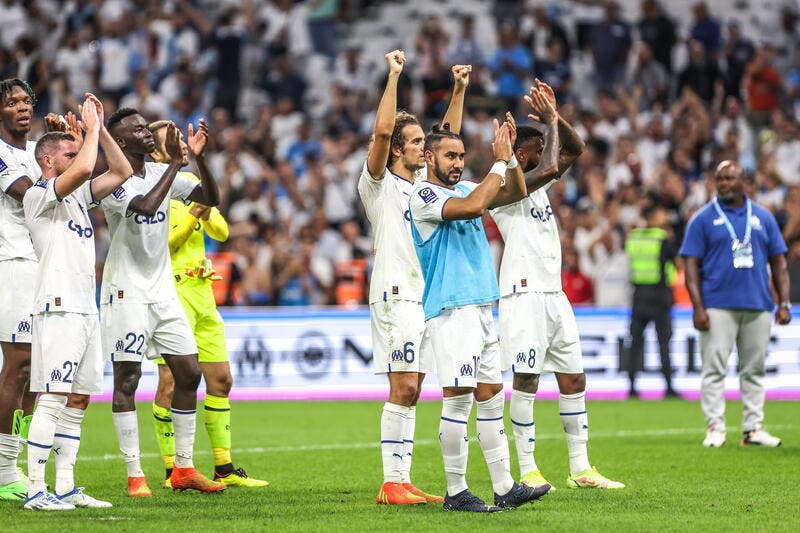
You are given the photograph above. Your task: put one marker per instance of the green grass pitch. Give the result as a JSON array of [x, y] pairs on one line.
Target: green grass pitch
[[323, 464]]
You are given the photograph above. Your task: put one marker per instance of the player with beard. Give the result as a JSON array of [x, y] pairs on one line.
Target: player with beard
[[460, 286], [141, 314], [538, 332]]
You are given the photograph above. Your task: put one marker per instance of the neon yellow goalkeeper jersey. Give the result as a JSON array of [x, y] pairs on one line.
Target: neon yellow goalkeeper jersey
[[186, 243]]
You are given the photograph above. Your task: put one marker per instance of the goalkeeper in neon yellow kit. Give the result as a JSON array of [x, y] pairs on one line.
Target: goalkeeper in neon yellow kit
[[193, 275]]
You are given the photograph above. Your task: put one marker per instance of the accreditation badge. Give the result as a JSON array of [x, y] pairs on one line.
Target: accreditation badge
[[742, 254]]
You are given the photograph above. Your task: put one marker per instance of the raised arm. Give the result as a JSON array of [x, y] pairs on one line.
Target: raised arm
[[513, 188], [215, 225], [208, 192], [571, 144], [147, 204], [474, 205], [548, 168], [83, 165], [384, 119], [182, 228], [119, 168], [455, 111]]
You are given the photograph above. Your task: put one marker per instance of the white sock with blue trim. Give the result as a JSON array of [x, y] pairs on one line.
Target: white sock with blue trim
[[127, 426], [185, 424], [40, 438], [65, 448], [10, 448], [454, 442], [494, 443], [408, 444], [572, 408], [393, 421], [521, 412]]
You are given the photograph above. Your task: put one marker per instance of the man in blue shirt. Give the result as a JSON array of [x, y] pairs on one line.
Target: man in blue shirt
[[460, 286], [728, 246]]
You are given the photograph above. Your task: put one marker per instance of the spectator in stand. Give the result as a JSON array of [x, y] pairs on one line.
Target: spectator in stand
[[151, 105], [538, 29], [706, 30], [283, 80], [650, 77], [467, 51], [511, 66], [700, 74], [577, 285], [739, 52], [322, 27], [553, 69], [762, 86], [657, 30], [431, 47], [610, 42]]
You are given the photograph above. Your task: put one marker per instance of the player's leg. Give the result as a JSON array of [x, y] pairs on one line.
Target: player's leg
[[162, 418], [52, 371], [490, 425], [715, 350], [174, 340], [86, 379], [397, 328], [14, 376], [523, 344], [751, 344]]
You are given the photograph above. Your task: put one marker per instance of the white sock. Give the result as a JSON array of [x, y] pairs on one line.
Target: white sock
[[572, 409], [454, 442], [65, 448], [408, 443], [185, 423], [127, 426], [393, 421], [40, 438], [10, 448], [521, 411], [494, 444]]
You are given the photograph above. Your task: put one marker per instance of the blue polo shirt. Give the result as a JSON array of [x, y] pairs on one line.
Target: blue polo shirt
[[721, 285]]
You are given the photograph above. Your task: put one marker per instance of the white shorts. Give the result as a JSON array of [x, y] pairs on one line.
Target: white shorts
[[65, 354], [17, 278], [397, 330], [132, 331], [465, 347], [538, 334]]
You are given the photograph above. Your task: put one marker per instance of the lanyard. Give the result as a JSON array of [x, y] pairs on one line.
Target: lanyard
[[748, 227]]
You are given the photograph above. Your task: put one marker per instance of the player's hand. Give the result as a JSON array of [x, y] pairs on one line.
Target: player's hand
[[98, 106], [700, 320], [547, 92], [91, 122], [197, 140], [461, 75], [502, 142], [543, 110], [396, 59], [512, 128], [199, 211], [783, 316], [53, 122], [205, 270], [172, 143]]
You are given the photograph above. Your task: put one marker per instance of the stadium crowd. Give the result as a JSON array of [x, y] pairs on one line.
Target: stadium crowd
[[289, 91]]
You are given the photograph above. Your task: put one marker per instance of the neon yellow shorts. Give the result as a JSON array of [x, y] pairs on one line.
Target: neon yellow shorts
[[197, 299]]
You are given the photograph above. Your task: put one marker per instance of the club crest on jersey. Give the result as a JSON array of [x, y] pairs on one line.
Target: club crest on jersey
[[3, 166], [119, 194], [427, 195], [41, 182]]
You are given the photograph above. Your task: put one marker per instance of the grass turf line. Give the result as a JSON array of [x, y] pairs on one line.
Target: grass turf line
[[323, 464]]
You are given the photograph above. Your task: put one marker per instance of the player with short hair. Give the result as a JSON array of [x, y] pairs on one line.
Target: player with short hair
[[538, 331], [460, 286], [140, 311], [193, 274], [66, 358], [395, 156], [18, 171]]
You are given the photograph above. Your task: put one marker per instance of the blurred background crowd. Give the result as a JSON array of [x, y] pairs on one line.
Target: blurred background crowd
[[659, 91]]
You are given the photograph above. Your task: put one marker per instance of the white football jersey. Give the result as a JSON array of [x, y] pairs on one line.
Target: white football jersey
[[396, 274], [532, 256], [63, 238], [15, 241], [138, 265]]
